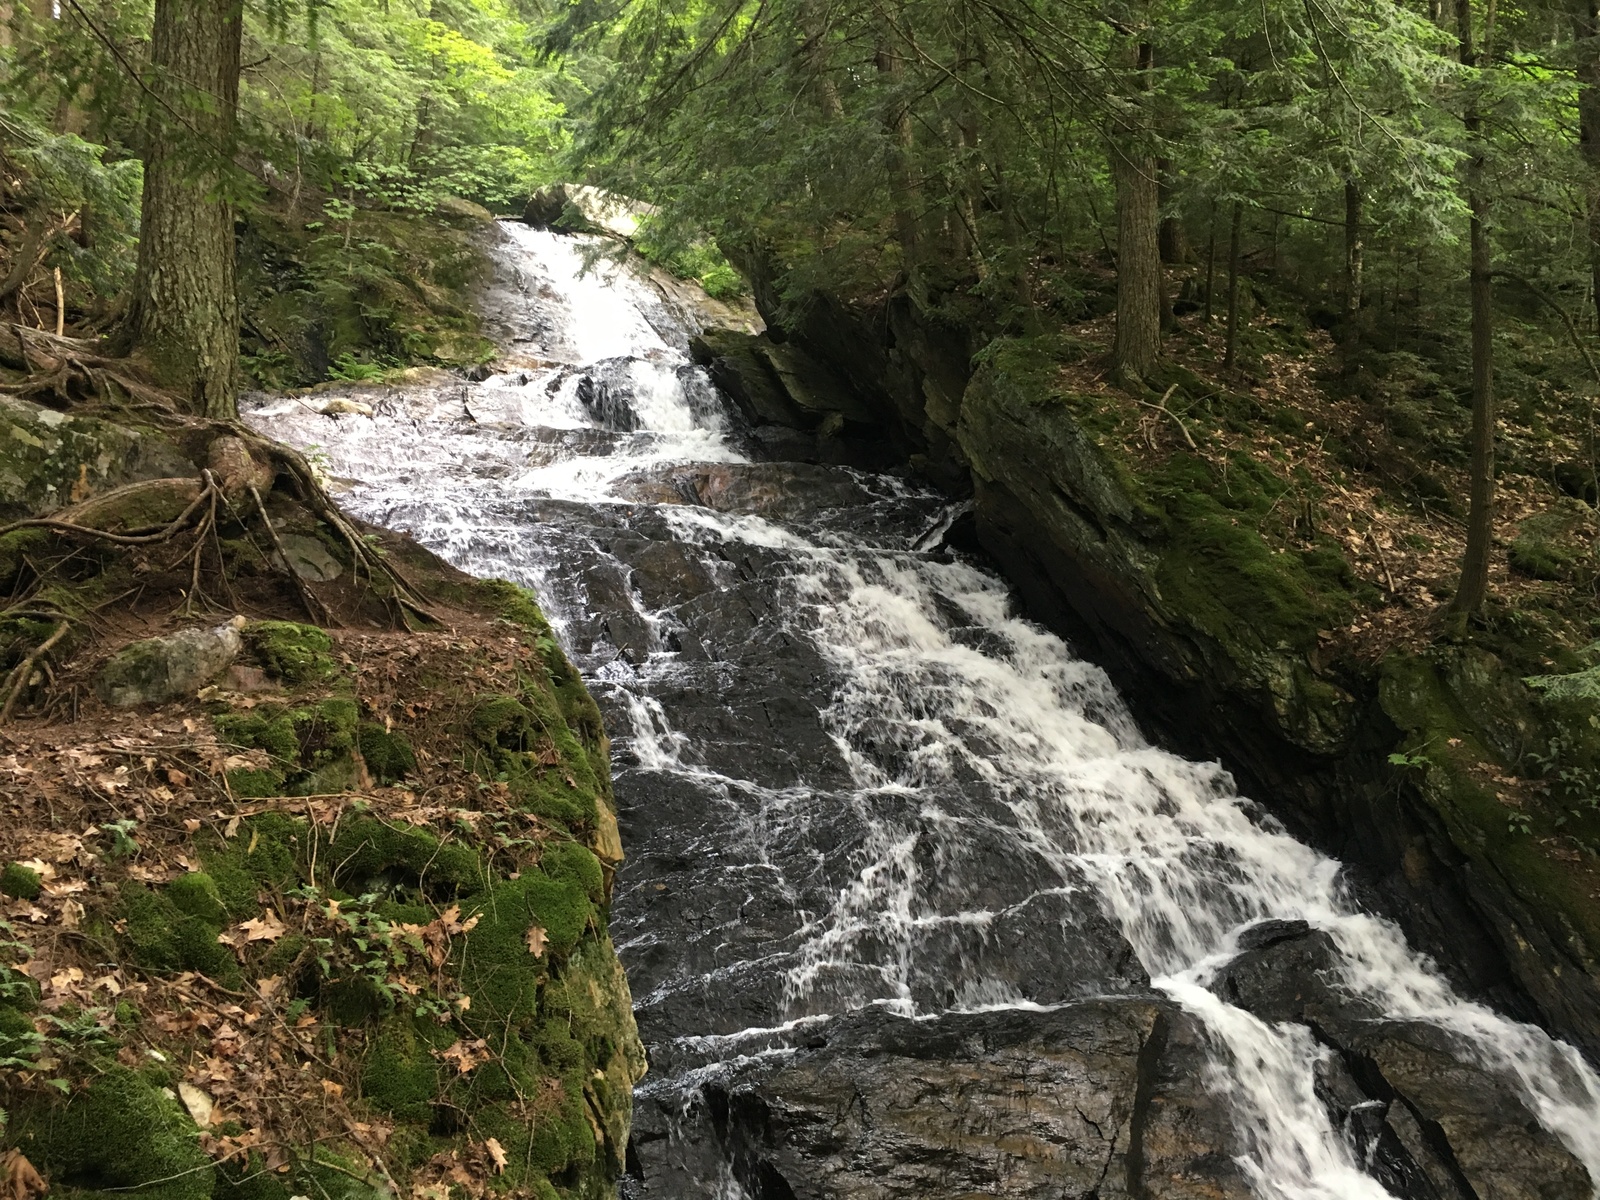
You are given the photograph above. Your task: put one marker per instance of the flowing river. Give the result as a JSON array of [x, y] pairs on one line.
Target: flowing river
[[911, 906]]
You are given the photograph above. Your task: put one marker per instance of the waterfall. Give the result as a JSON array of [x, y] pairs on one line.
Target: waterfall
[[852, 775]]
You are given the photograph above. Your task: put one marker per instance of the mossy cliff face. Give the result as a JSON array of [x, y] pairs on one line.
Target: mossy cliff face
[[360, 949], [1457, 793]]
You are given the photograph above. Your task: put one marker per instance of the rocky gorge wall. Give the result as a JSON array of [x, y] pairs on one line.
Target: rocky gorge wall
[[1397, 766]]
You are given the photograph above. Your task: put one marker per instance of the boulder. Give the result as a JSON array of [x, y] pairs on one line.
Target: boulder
[[147, 505], [160, 669], [50, 459], [1424, 1109]]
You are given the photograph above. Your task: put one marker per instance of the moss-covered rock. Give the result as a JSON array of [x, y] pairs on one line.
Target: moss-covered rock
[[1172, 556], [50, 459], [389, 757], [120, 1132], [297, 654], [1556, 544]]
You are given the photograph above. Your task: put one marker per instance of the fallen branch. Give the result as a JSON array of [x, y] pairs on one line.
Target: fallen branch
[[1177, 420], [17, 681]]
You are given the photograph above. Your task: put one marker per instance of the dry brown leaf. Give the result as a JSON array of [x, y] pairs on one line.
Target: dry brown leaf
[[18, 1178], [497, 1155], [537, 940], [330, 1088], [265, 928], [466, 1055]]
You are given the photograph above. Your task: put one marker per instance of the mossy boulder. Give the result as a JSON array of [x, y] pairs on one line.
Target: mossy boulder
[[1557, 544], [388, 755], [1169, 562], [159, 669], [119, 1132], [49, 460], [297, 654]]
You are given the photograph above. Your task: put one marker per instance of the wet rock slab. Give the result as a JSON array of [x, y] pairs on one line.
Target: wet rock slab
[[1096, 1099]]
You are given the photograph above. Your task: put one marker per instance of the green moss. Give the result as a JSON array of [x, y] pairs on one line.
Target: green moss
[[297, 654], [196, 895], [263, 856], [161, 935], [1219, 573], [373, 857], [118, 1133], [22, 882], [515, 604], [1555, 544], [503, 725], [497, 970], [401, 1076], [248, 783], [389, 757], [272, 730]]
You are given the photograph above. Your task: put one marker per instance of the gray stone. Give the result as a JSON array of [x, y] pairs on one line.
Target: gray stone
[[310, 559], [160, 669]]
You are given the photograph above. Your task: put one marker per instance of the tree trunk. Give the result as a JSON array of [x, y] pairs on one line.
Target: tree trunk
[[1474, 584], [1211, 259], [1233, 285], [1353, 251], [184, 315], [1139, 299], [1586, 47], [903, 192]]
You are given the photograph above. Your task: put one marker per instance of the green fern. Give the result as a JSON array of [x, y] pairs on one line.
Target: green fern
[[1577, 685]]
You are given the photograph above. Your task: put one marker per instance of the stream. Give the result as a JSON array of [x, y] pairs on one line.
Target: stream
[[911, 907]]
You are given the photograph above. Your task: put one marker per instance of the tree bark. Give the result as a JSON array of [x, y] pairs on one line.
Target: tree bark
[[1211, 259], [184, 314], [1353, 251], [1139, 292], [1474, 585], [1586, 47], [1233, 285], [903, 191]]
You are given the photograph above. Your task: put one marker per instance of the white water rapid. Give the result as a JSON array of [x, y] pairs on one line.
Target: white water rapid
[[979, 771]]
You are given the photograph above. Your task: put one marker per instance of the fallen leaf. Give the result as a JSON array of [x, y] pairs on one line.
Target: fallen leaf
[[466, 1056], [200, 1105], [537, 939], [331, 1088], [269, 987], [191, 824], [265, 928], [18, 1179], [497, 1155]]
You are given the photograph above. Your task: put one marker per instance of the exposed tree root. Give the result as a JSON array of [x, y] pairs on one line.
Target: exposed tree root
[[239, 468]]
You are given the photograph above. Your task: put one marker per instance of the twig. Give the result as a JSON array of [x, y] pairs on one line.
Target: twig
[[18, 680], [1162, 407], [61, 306], [1382, 561]]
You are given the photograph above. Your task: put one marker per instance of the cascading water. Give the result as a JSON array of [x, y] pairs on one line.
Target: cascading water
[[852, 780]]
